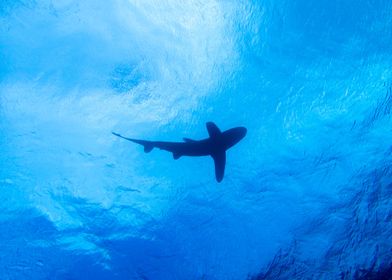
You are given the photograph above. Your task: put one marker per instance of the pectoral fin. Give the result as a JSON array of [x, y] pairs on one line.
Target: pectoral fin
[[220, 162], [213, 130]]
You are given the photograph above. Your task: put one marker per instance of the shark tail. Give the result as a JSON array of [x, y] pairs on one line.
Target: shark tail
[[148, 145]]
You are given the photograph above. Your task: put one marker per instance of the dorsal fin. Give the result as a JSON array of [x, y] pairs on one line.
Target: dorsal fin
[[213, 130], [188, 140]]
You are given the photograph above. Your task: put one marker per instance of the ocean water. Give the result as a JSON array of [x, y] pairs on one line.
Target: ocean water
[[307, 193]]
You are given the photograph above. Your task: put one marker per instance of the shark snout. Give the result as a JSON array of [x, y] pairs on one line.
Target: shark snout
[[242, 132], [233, 136]]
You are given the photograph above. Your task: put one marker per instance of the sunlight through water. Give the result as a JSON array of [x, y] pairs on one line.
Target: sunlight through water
[[307, 194]]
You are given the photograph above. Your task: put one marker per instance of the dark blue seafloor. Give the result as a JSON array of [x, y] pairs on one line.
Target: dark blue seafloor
[[307, 193]]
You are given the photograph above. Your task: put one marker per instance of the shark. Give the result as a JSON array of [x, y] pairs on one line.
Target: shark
[[215, 146]]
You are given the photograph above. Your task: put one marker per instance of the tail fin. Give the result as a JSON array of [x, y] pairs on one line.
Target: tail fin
[[148, 145]]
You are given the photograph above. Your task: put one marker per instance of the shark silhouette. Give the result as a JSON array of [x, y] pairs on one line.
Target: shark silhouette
[[214, 146]]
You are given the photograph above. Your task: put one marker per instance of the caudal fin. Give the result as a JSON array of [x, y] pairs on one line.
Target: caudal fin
[[148, 145]]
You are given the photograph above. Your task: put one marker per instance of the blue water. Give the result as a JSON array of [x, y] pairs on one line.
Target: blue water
[[307, 193]]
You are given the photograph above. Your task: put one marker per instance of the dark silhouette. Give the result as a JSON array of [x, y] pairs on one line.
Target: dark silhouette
[[214, 146]]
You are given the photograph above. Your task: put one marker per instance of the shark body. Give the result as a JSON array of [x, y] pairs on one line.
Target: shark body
[[215, 146]]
